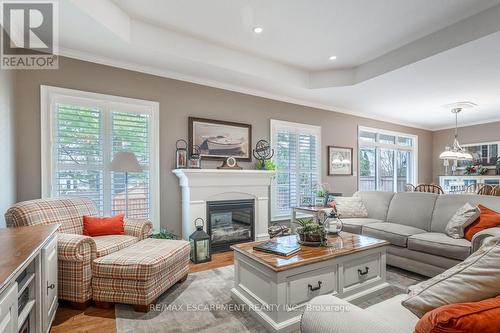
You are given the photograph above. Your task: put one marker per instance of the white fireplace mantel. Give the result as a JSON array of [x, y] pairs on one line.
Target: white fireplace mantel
[[202, 185]]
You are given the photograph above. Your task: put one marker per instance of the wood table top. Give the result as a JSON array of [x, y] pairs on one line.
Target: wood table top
[[338, 245], [17, 245]]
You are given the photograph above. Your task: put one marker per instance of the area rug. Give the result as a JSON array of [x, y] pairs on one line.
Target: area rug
[[203, 304]]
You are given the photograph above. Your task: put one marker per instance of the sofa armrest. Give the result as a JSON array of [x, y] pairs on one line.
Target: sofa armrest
[[140, 228], [329, 314], [77, 248], [479, 238]]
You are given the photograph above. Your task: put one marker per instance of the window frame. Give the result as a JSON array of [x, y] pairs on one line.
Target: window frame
[[49, 95], [306, 128], [396, 146]]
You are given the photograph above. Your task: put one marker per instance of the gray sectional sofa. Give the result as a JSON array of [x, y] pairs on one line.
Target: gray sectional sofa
[[414, 224]]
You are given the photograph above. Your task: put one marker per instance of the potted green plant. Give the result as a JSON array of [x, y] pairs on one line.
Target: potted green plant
[[265, 165], [311, 232], [163, 234]]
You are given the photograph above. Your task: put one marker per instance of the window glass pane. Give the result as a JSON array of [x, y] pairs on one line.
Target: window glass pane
[[384, 138], [403, 141], [386, 170], [368, 136], [130, 132], [80, 183], [404, 172], [367, 169]]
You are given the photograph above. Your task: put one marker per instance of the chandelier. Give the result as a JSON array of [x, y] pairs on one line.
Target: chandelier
[[456, 152]]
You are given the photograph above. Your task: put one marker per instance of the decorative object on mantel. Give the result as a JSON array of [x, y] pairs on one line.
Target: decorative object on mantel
[[200, 243], [219, 139], [263, 154], [181, 154], [339, 161], [311, 233], [277, 230], [475, 170], [456, 152], [195, 158], [230, 163]]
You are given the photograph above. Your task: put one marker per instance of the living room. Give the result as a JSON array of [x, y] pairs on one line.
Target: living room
[[153, 151]]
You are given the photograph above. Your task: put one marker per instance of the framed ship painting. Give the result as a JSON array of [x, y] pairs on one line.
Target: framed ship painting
[[339, 161], [219, 139]]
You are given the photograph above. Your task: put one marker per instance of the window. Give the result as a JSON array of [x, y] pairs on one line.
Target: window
[[81, 132], [387, 160], [297, 157]]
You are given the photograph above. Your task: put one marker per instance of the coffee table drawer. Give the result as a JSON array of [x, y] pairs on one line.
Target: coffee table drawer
[[361, 270], [303, 287]]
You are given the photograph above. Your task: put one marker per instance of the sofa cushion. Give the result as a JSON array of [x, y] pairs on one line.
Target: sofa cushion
[[475, 279], [354, 225], [142, 261], [483, 317], [448, 204], [112, 243], [376, 203], [461, 220], [395, 233], [413, 209], [350, 207], [440, 244], [488, 218]]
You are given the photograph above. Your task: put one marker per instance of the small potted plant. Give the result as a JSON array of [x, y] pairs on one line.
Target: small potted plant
[[320, 191], [163, 234], [310, 232]]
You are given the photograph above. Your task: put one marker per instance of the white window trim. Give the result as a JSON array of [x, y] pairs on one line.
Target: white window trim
[[362, 143], [316, 130], [47, 96]]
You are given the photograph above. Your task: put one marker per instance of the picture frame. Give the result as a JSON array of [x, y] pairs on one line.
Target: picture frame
[[329, 197], [219, 139], [340, 161]]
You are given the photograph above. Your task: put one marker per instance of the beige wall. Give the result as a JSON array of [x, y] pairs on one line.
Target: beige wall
[[7, 158], [179, 100], [469, 134]]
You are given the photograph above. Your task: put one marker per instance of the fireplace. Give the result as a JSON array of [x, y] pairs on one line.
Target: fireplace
[[230, 222]]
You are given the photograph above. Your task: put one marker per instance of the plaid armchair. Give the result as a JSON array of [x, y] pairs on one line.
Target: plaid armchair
[[75, 251]]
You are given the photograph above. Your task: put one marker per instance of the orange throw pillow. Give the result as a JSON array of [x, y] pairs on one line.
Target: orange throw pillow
[[475, 317], [102, 226], [488, 219]]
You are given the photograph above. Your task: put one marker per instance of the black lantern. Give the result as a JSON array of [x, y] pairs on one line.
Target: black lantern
[[195, 158], [200, 243], [181, 154]]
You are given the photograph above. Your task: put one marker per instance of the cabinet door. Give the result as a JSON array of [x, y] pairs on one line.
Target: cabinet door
[[49, 283], [8, 310]]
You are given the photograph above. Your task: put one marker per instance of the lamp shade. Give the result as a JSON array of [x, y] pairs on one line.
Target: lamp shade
[[125, 162]]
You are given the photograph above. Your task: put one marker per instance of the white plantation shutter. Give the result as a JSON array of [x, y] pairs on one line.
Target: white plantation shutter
[[297, 156], [84, 133]]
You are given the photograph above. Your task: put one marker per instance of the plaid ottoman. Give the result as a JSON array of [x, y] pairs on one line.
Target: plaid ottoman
[[140, 273]]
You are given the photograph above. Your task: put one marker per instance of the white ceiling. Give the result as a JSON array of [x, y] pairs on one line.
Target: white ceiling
[[306, 33], [398, 60]]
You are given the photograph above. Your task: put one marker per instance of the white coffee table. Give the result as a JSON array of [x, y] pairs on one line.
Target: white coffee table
[[277, 288]]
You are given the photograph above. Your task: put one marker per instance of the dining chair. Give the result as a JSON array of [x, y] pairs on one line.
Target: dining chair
[[409, 188], [429, 188], [485, 189]]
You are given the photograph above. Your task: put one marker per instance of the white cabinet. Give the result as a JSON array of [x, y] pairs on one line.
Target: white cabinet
[[49, 283], [459, 184], [8, 310]]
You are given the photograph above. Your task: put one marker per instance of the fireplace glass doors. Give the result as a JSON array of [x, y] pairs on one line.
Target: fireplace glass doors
[[230, 222]]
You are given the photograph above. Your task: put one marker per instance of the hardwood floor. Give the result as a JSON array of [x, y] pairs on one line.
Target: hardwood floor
[[103, 320]]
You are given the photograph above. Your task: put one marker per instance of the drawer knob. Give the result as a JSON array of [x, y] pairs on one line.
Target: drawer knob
[[361, 273], [52, 286], [311, 288]]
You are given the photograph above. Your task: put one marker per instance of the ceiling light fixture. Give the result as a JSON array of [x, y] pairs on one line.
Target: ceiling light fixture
[[333, 58], [258, 30], [456, 152]]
